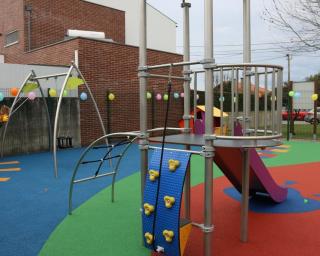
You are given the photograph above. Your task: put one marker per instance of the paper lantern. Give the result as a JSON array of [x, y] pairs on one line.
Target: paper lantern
[[111, 97], [149, 95], [52, 93], [176, 95], [297, 94], [14, 91], [158, 97], [165, 97], [221, 99], [74, 83], [31, 96], [314, 97], [83, 96], [1, 96], [29, 87], [182, 95], [291, 93], [198, 97]]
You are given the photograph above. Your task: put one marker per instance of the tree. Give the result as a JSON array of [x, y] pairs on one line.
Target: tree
[[315, 77], [300, 18]]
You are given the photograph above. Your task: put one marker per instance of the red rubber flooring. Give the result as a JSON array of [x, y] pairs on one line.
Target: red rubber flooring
[[294, 234]]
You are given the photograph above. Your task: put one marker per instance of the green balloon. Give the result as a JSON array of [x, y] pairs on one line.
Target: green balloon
[[165, 97], [291, 93], [149, 95], [65, 93]]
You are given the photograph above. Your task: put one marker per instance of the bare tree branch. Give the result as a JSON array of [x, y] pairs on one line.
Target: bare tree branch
[[300, 18]]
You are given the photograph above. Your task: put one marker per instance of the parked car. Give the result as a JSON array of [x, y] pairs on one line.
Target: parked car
[[298, 115], [309, 118]]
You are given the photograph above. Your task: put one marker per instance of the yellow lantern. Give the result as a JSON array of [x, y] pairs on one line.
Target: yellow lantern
[[314, 97], [111, 97]]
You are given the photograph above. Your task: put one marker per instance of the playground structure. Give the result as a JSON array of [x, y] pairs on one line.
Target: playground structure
[[73, 78], [244, 137], [166, 178]]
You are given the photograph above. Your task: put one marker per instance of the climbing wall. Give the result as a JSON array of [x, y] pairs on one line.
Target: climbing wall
[[162, 201]]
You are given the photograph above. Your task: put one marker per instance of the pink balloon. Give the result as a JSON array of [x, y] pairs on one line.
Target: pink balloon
[[159, 97], [182, 95], [31, 95]]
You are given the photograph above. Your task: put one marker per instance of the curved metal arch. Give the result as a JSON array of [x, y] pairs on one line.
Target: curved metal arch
[[114, 174], [12, 110], [56, 121]]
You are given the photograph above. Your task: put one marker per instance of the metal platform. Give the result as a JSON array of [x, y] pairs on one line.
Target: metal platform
[[198, 140]]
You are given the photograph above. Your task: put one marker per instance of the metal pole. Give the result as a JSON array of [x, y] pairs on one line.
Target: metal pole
[[273, 100], [177, 64], [143, 91], [237, 93], [195, 98], [315, 112], [221, 99], [256, 102], [247, 57], [265, 100], [245, 195], [233, 101], [56, 120], [50, 76], [209, 150], [186, 88], [279, 100], [290, 121]]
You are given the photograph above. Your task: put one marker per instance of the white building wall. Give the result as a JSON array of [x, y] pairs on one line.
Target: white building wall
[[161, 29]]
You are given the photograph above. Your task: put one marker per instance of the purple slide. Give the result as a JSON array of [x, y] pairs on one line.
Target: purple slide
[[229, 161]]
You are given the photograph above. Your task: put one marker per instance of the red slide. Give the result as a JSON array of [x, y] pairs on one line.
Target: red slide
[[230, 161]]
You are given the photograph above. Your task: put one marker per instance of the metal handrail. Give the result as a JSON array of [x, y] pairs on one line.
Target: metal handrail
[[84, 153]]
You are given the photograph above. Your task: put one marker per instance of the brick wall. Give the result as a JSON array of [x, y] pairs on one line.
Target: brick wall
[[113, 67], [52, 19], [11, 19]]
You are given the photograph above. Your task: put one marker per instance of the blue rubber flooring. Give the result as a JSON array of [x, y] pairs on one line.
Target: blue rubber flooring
[[33, 202]]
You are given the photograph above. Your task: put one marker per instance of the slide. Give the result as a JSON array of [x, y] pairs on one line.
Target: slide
[[230, 160]]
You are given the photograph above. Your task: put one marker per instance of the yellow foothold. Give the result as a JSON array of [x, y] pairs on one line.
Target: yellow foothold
[[173, 165], [148, 209], [168, 235], [153, 175], [149, 238], [169, 201]]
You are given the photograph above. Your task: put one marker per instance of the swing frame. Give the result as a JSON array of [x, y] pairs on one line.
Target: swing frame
[[52, 136]]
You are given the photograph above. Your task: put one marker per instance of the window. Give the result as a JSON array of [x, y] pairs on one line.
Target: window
[[12, 38]]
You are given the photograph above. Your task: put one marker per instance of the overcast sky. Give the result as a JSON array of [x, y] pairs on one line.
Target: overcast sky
[[228, 35]]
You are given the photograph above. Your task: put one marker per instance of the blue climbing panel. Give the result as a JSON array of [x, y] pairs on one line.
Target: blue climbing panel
[[170, 184]]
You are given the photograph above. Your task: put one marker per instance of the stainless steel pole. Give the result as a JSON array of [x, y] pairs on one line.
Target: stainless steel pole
[[56, 122], [186, 88], [247, 57], [195, 96], [256, 101], [245, 195], [143, 92], [247, 110], [273, 101], [209, 150], [233, 101]]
